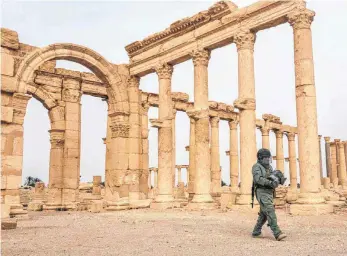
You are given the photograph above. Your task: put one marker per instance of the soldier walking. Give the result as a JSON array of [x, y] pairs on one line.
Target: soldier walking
[[264, 188]]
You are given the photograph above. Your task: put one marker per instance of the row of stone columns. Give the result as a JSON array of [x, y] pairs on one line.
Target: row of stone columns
[[336, 157], [200, 153]]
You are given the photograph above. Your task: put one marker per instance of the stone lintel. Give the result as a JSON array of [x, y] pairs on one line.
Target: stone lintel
[[206, 30]]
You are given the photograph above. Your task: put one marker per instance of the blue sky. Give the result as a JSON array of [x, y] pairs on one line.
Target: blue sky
[[108, 26]]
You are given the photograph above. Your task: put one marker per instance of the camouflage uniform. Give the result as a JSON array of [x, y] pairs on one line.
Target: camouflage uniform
[[265, 193]]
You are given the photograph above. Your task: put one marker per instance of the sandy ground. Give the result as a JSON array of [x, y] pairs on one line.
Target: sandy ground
[[173, 232]]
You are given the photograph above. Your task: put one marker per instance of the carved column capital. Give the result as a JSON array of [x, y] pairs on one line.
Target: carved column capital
[[71, 95], [245, 40], [327, 139], [119, 125], [301, 19], [164, 71], [290, 136], [279, 133], [201, 57], [134, 81], [214, 121], [198, 114], [233, 124], [319, 137], [145, 107], [265, 131], [245, 104], [57, 138]]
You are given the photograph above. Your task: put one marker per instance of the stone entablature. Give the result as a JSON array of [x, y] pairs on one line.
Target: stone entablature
[[91, 85], [207, 31]]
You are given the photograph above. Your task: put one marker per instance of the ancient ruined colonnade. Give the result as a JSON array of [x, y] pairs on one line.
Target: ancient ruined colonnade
[[31, 71]]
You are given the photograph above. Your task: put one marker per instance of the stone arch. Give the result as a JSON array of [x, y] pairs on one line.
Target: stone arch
[[116, 89]]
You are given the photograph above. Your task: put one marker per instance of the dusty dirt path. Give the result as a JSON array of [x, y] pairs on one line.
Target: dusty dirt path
[[173, 232]]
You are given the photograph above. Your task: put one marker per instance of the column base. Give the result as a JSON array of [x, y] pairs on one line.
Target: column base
[[292, 195], [204, 201], [310, 204], [8, 223], [35, 206], [310, 209], [245, 199], [18, 211], [227, 199], [139, 204], [52, 207], [120, 205], [162, 202]]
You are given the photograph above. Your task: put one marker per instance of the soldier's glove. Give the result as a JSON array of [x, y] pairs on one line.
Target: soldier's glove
[[271, 184], [274, 184]]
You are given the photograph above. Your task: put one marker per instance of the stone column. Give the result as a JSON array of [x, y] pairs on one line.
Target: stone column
[[71, 95], [279, 150], [234, 156], [265, 137], [345, 145], [156, 178], [310, 199], [164, 199], [191, 158], [215, 159], [202, 183], [320, 159], [187, 175], [333, 177], [179, 174], [96, 185], [343, 172], [337, 142], [117, 173], [12, 118], [145, 177], [56, 167], [135, 139], [174, 111], [246, 105], [292, 193], [149, 181], [328, 157]]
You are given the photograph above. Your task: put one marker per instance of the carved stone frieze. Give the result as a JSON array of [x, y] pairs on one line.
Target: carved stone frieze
[[245, 104], [216, 11]]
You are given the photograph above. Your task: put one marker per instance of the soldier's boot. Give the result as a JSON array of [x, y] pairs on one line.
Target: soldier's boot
[[281, 237], [272, 223], [258, 226]]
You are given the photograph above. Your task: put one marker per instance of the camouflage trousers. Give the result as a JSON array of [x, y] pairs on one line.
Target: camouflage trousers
[[266, 213]]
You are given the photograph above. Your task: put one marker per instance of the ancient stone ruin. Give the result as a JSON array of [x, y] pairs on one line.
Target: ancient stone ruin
[[28, 71]]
